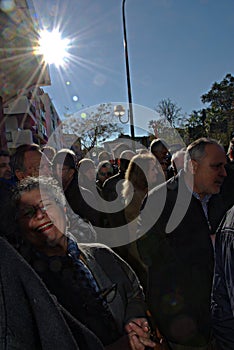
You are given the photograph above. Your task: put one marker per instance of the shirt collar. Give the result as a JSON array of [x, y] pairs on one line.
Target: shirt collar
[[203, 200]]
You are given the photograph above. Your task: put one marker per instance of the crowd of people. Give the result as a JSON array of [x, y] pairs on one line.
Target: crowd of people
[[169, 286]]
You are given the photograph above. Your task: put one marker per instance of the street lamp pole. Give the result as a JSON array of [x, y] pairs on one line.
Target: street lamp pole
[[128, 73]]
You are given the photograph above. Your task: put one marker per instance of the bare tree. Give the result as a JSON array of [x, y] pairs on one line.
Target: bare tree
[[169, 110], [94, 125]]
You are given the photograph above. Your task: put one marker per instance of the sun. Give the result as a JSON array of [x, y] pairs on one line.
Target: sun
[[53, 47]]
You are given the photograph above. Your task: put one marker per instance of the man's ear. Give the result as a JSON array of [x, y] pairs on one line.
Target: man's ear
[[19, 174], [193, 165]]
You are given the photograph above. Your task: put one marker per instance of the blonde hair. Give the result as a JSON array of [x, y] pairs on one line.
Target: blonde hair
[[136, 174]]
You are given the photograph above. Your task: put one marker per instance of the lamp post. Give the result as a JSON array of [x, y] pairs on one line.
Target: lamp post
[[128, 73], [119, 111]]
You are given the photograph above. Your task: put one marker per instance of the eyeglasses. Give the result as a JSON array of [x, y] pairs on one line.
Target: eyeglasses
[[30, 211]]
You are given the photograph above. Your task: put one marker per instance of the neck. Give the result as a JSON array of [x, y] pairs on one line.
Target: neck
[[55, 248], [189, 180]]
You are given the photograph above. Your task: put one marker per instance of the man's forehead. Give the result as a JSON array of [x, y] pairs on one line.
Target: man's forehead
[[214, 154], [214, 151], [32, 156]]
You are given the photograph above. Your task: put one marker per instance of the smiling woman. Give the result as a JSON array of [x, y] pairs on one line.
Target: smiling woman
[[53, 47], [79, 274]]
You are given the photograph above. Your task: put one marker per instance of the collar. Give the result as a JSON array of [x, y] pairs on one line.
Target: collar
[[203, 200], [73, 248], [196, 195]]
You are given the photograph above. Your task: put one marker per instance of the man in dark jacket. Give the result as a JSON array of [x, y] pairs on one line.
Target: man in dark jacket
[[81, 200], [109, 191], [223, 285], [178, 224]]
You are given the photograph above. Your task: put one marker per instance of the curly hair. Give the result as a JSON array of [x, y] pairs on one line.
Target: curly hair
[[46, 184]]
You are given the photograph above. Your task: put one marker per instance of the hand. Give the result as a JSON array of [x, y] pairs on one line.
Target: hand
[[138, 330]]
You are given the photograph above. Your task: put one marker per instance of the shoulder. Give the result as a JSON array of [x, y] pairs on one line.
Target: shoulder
[[164, 192], [169, 185], [230, 216], [95, 248], [103, 254], [225, 234], [227, 225], [8, 253]]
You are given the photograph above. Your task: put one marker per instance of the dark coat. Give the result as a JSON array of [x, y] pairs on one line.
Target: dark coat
[[177, 248], [227, 190], [109, 193], [81, 200], [58, 273], [223, 285], [30, 319]]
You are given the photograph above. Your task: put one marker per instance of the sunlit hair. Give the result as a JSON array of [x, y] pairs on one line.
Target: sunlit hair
[[49, 151], [119, 148], [177, 158], [136, 174], [85, 164], [124, 159], [104, 155], [196, 150], [66, 157], [158, 145], [45, 184], [104, 164]]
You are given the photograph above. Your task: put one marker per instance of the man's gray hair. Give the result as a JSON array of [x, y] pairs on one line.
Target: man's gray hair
[[196, 150]]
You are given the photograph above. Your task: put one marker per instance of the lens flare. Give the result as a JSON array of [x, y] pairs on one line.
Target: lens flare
[[53, 47]]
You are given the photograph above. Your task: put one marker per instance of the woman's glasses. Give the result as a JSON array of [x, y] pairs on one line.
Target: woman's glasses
[[30, 211]]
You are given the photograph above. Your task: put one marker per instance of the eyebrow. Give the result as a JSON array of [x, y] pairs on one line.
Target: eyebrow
[[41, 201]]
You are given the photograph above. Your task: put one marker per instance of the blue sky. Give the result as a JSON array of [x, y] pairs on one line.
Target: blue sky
[[177, 50]]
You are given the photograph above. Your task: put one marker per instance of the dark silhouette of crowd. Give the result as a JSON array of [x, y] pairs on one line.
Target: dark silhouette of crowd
[[166, 283]]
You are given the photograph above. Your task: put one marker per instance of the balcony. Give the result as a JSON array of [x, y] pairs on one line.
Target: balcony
[[21, 106]]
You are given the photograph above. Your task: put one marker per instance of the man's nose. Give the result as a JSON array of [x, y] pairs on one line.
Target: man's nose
[[223, 171]]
